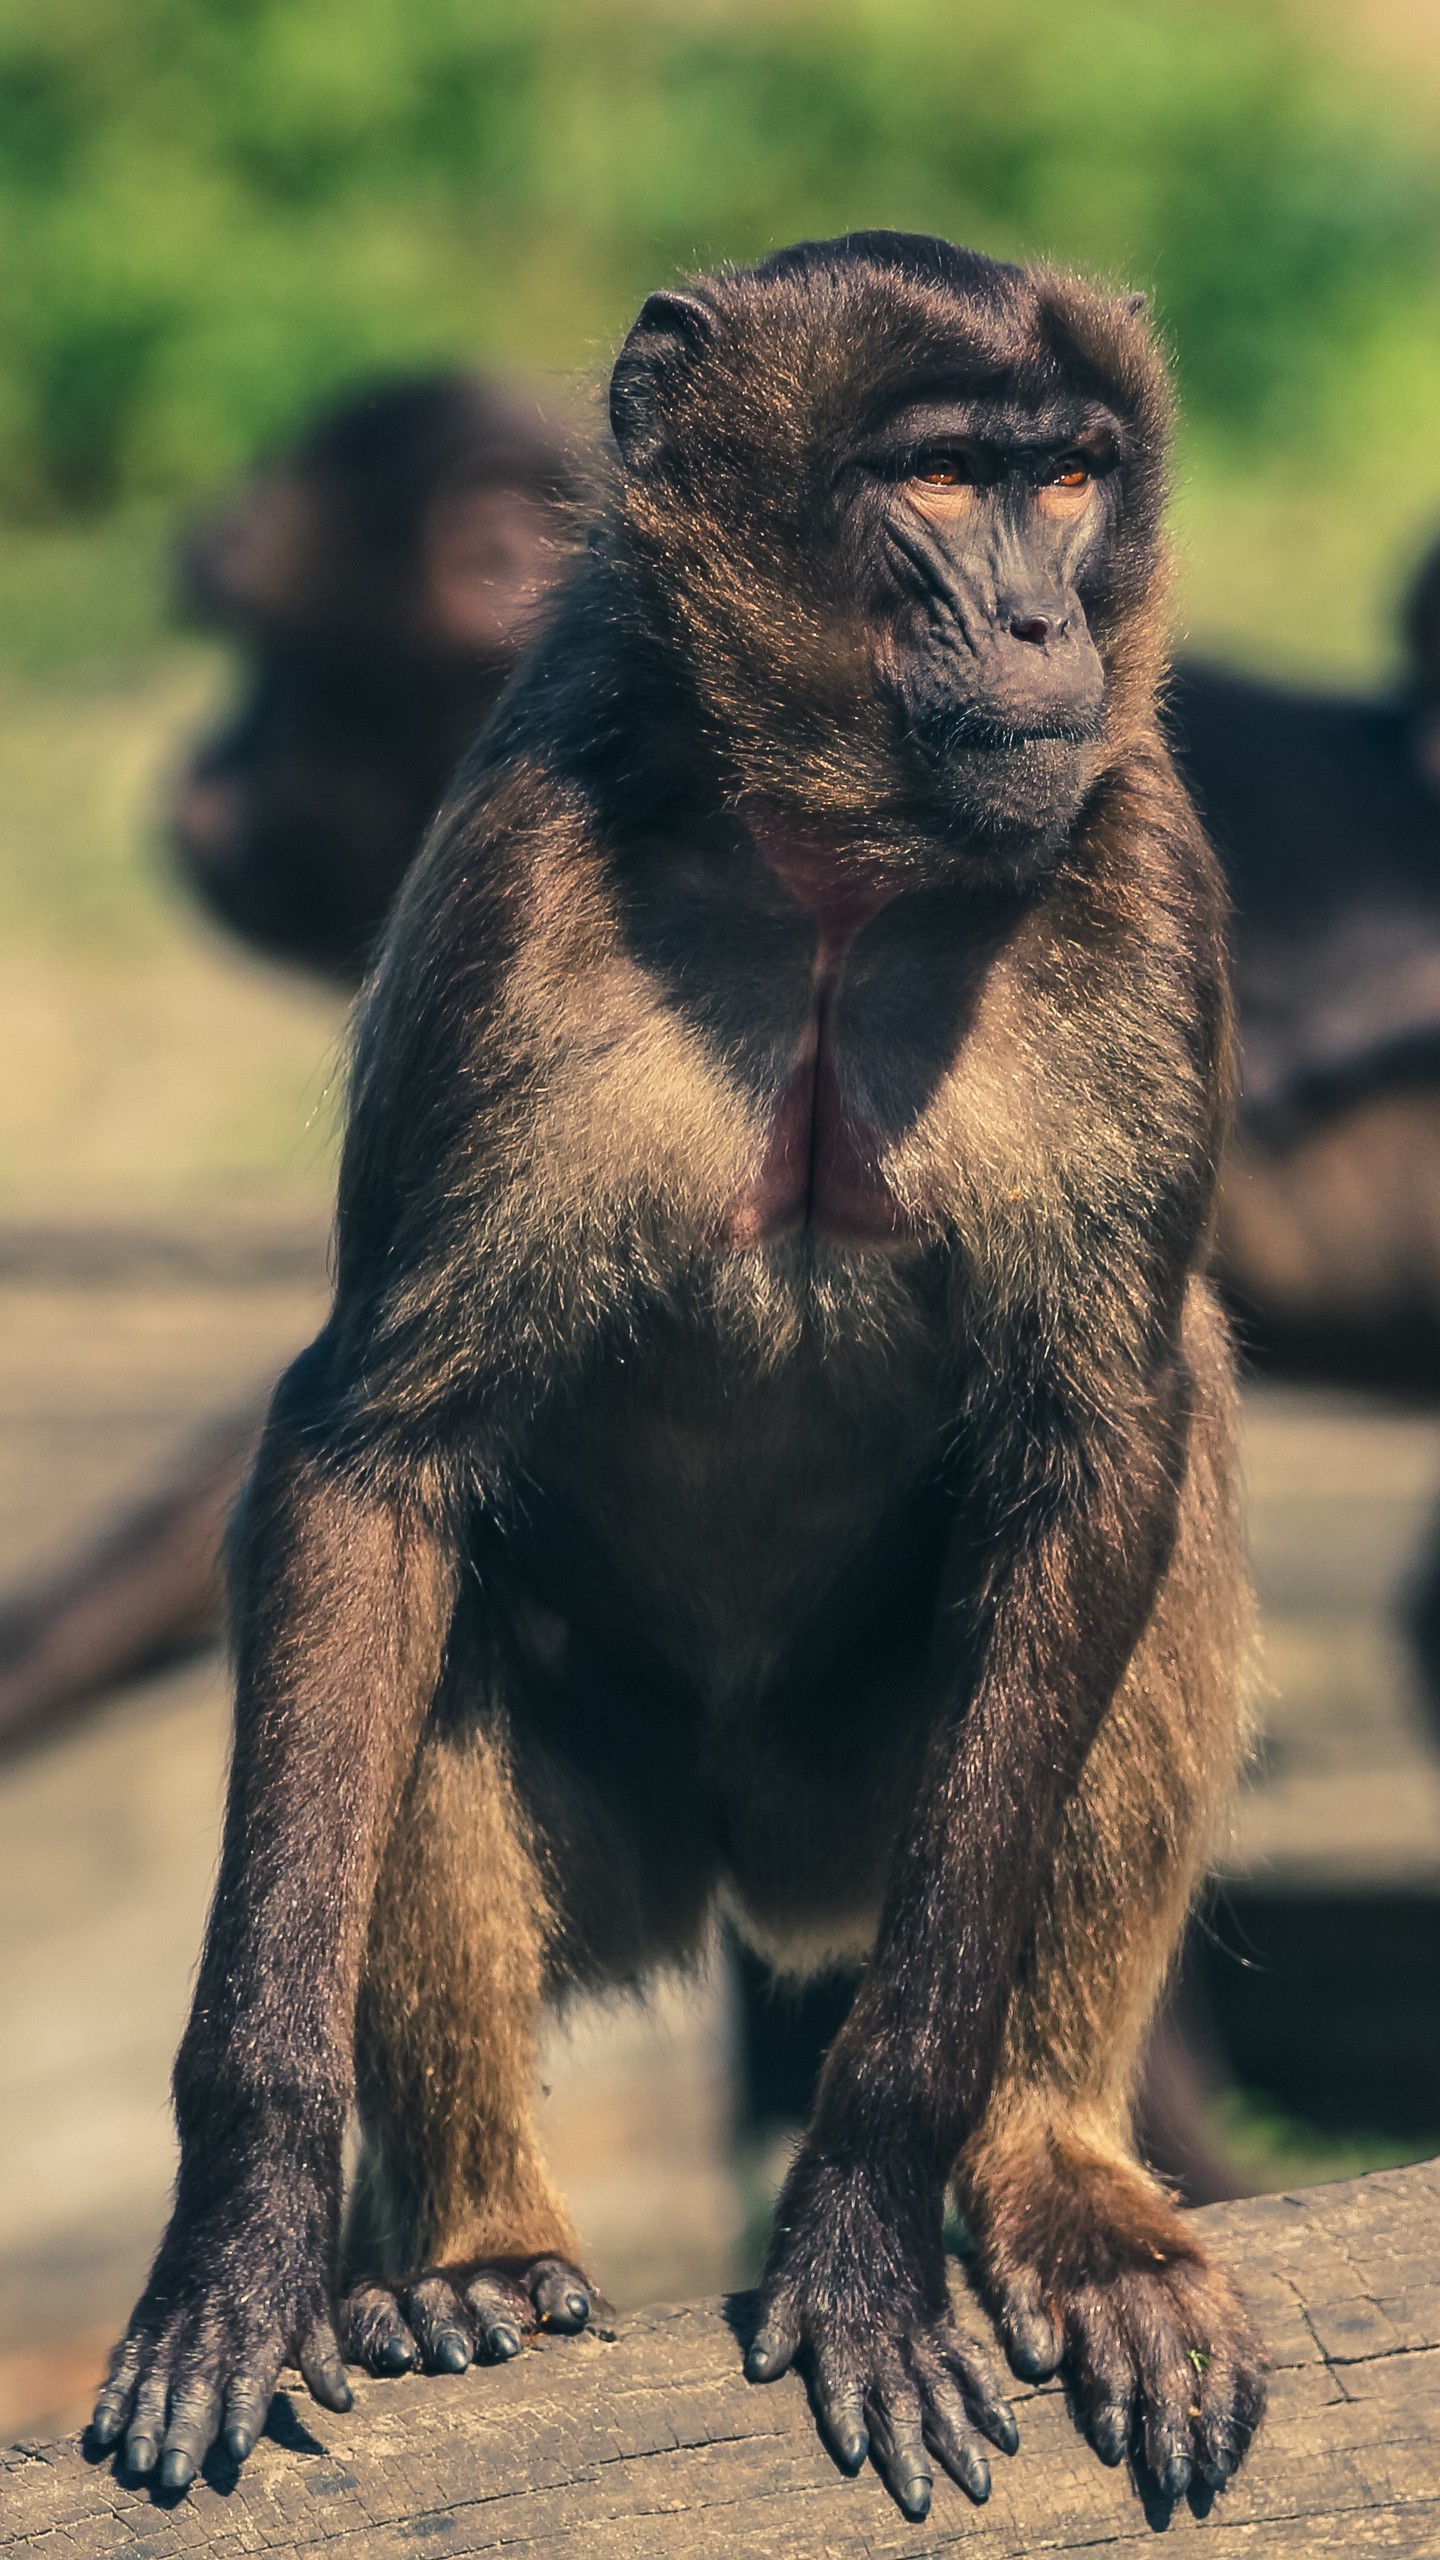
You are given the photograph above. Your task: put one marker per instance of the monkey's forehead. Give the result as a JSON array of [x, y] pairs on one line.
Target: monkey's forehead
[[859, 333], [1007, 415]]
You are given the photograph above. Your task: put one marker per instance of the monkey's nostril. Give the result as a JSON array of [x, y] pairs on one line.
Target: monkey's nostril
[[1030, 626]]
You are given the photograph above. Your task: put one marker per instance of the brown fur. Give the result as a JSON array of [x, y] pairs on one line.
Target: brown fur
[[772, 1442]]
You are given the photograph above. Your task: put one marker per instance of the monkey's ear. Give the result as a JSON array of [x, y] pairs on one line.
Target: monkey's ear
[[672, 330], [1135, 303]]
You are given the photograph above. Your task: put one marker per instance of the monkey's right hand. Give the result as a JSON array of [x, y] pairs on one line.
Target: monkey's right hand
[[855, 2290], [231, 2298]]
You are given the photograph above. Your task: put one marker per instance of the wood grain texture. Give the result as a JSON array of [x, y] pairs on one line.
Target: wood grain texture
[[650, 2446]]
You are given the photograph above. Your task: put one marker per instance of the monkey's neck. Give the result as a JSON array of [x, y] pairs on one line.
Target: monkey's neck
[[841, 885]]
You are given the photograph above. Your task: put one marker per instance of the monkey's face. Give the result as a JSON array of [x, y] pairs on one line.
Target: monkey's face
[[901, 504], [986, 523]]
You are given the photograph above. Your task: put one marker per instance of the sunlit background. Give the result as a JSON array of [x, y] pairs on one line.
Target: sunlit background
[[213, 213]]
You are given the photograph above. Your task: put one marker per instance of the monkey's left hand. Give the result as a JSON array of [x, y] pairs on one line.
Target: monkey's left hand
[[855, 2286]]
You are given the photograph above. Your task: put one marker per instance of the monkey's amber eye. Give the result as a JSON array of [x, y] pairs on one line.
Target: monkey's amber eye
[[1072, 471], [943, 471]]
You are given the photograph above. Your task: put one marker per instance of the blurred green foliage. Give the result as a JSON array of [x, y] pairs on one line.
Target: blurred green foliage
[[213, 211]]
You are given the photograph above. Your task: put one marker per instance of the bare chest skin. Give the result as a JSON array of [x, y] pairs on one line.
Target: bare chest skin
[[821, 1167]]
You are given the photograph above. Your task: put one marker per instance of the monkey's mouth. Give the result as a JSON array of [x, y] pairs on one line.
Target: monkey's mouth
[[975, 728]]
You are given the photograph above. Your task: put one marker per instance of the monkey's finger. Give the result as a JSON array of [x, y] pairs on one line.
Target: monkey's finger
[[1107, 2378], [318, 2356], [774, 2347], [1231, 2400], [897, 2444], [1033, 2337], [1109, 2421], [1167, 2389], [146, 2432], [194, 2423], [840, 2408], [247, 2406], [116, 2396], [560, 2294], [951, 2437], [501, 2313], [441, 2324], [374, 2334], [982, 2386]]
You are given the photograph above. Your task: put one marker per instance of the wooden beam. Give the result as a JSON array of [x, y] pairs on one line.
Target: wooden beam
[[648, 2445]]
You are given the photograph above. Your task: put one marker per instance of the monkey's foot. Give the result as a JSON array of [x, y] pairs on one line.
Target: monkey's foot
[[891, 2369], [452, 2316], [1093, 2269]]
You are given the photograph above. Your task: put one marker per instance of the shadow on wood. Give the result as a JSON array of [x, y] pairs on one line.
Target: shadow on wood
[[650, 2443]]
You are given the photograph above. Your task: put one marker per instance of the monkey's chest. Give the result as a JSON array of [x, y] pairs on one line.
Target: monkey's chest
[[823, 1160]]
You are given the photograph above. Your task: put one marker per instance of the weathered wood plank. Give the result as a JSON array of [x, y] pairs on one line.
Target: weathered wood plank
[[650, 2446]]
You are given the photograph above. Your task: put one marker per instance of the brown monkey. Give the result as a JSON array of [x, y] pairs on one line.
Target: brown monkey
[[379, 580], [772, 1440]]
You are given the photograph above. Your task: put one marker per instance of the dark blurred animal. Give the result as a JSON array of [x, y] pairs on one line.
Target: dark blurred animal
[[380, 581], [1326, 814], [773, 1440]]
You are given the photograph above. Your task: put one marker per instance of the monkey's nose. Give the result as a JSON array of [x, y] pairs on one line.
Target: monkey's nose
[[1034, 627]]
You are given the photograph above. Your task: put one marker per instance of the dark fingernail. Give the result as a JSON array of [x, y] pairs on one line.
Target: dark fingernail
[[1109, 2433], [104, 2430], [1033, 2353], [978, 2481], [176, 2471], [578, 2306], [1174, 2478], [239, 2443], [852, 2449], [396, 2356], [913, 2494], [503, 2341], [452, 2351], [1003, 2428], [140, 2453], [760, 2364]]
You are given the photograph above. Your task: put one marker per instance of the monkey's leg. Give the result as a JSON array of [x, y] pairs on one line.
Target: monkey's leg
[[343, 1596], [1079, 1535], [457, 2242], [1083, 2254]]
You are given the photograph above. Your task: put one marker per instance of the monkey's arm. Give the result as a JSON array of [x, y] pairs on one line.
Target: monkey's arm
[[343, 1595], [1066, 1548]]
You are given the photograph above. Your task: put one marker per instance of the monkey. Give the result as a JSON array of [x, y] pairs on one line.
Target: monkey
[[1325, 811], [772, 1443], [379, 579]]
